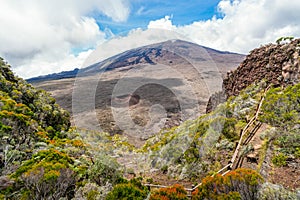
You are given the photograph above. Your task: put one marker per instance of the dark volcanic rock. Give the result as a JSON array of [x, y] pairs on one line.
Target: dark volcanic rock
[[277, 64], [55, 76]]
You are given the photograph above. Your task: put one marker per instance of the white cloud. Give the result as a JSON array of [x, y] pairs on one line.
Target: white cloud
[[48, 32], [164, 23], [68, 62], [245, 25]]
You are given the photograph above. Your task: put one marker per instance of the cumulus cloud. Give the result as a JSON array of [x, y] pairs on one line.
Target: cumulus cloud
[[36, 35], [164, 23], [245, 24], [42, 66]]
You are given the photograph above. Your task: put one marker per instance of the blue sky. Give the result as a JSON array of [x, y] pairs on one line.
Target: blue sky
[[142, 11], [41, 37]]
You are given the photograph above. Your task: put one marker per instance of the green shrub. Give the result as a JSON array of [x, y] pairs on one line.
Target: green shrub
[[26, 114], [281, 108], [270, 191], [92, 195], [105, 169], [164, 169], [279, 160], [47, 174], [132, 190], [33, 129], [297, 152], [289, 143], [229, 128]]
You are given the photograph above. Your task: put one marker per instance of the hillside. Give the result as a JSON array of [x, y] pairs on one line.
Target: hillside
[[27, 116], [261, 113], [247, 147], [41, 157]]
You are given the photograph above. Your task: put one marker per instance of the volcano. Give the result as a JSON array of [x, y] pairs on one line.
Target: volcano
[[142, 90]]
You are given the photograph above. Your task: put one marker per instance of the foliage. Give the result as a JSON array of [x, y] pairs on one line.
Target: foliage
[[237, 184], [33, 130], [175, 192], [105, 169], [281, 107], [27, 116], [50, 160], [282, 40], [228, 129], [92, 191], [17, 128], [279, 160], [270, 191], [132, 190], [49, 185], [43, 107], [289, 143], [48, 174]]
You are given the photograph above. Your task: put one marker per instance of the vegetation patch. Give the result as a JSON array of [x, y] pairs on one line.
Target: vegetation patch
[[237, 184], [132, 189], [175, 192]]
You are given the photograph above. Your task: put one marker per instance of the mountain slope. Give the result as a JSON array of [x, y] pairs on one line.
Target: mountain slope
[[26, 113], [263, 118], [37, 146], [178, 75], [151, 54]]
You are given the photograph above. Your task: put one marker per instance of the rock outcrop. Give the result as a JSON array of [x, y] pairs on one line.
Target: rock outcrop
[[277, 64]]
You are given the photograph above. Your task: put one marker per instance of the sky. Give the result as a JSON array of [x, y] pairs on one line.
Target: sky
[[39, 37]]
